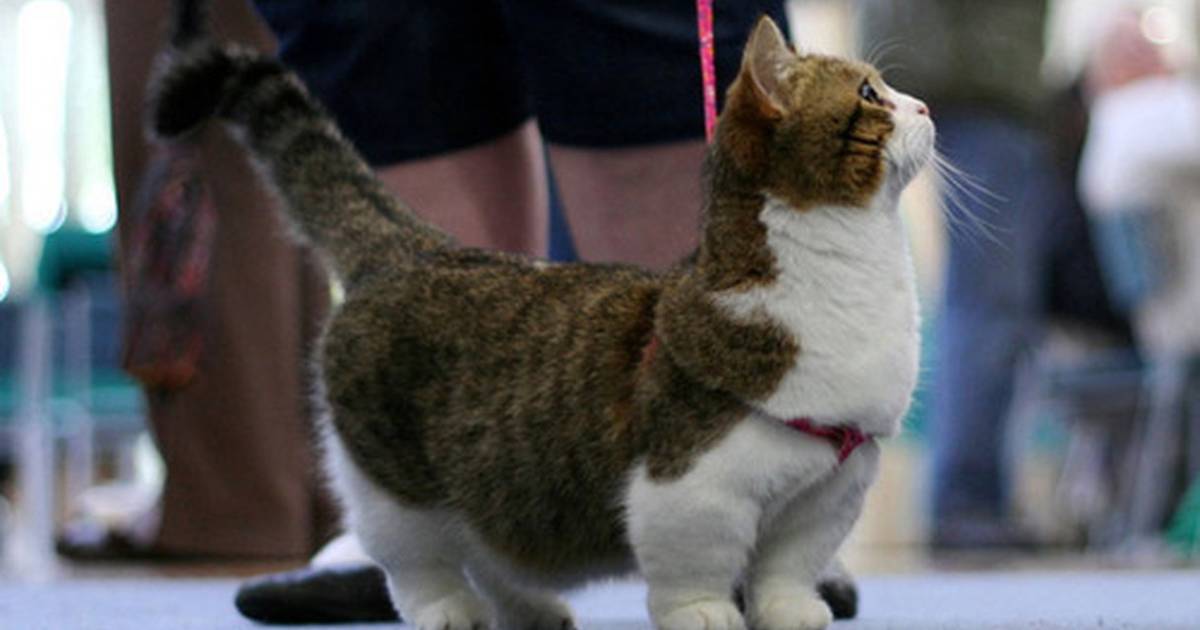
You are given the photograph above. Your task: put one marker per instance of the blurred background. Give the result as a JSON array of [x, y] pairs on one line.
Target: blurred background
[[1087, 451]]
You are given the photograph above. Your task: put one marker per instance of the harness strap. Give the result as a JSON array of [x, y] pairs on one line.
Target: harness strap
[[845, 438]]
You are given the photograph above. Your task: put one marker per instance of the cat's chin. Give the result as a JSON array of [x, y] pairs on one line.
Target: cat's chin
[[905, 170], [910, 151]]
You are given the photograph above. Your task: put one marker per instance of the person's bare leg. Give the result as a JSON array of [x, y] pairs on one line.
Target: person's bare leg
[[638, 205], [491, 195]]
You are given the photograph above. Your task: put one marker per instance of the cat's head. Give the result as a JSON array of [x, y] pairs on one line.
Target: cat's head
[[820, 130]]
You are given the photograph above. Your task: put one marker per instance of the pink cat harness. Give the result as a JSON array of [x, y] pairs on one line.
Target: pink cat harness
[[844, 437]]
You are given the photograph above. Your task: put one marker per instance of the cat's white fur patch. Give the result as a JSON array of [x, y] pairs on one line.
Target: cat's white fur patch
[[440, 572], [768, 505], [421, 550], [725, 496], [345, 549], [846, 292]]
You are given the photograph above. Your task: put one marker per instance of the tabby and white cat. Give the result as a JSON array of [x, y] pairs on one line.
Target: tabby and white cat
[[500, 427]]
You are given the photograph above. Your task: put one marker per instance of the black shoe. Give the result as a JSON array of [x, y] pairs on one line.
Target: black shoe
[[351, 593]]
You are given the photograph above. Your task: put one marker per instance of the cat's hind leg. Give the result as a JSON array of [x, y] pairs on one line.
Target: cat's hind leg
[[517, 606], [425, 574], [420, 550]]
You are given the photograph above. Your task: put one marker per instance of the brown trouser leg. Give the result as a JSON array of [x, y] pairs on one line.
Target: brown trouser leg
[[237, 441]]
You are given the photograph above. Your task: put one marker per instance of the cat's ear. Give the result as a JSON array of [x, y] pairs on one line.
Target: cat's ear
[[763, 64]]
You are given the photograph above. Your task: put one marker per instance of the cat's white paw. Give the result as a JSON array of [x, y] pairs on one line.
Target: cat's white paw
[[792, 611], [536, 613], [460, 611], [702, 615]]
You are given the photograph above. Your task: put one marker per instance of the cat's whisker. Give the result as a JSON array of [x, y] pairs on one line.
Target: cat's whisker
[[964, 222], [965, 183], [970, 203], [888, 69], [965, 179], [962, 196], [882, 49]]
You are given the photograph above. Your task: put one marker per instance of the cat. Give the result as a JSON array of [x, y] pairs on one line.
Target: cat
[[500, 428]]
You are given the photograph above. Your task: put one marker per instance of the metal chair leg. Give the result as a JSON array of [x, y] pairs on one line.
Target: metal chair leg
[[32, 547], [1160, 451]]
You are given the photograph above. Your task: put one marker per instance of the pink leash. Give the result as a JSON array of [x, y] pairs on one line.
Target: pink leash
[[708, 70]]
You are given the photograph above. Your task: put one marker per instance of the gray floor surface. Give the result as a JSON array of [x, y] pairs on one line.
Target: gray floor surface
[[1158, 600]]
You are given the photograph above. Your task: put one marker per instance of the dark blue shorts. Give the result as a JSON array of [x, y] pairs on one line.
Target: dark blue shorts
[[408, 79]]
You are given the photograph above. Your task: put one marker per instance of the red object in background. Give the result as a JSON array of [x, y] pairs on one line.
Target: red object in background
[[173, 225]]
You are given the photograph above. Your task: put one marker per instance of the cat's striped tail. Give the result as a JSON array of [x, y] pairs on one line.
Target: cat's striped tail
[[329, 191]]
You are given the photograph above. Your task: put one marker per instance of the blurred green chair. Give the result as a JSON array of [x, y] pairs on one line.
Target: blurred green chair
[[61, 385], [1097, 394], [1184, 534], [93, 403]]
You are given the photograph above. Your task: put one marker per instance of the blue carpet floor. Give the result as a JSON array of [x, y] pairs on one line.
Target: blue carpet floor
[[1152, 600]]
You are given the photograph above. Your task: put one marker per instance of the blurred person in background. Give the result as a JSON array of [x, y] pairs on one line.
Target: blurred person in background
[[1024, 255], [1140, 179], [233, 427]]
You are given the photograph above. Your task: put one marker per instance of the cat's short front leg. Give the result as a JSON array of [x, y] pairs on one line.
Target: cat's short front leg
[[704, 614], [799, 543], [794, 606], [692, 544]]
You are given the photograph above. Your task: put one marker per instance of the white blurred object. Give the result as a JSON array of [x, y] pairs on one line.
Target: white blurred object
[[1143, 145], [30, 548], [5, 178], [1168, 324], [43, 44], [90, 190], [1143, 157], [128, 508], [821, 26], [1076, 26]]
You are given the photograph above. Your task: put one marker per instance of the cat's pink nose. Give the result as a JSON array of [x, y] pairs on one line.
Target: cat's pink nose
[[922, 109]]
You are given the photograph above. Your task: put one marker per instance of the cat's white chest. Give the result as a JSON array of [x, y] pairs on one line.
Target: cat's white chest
[[846, 293]]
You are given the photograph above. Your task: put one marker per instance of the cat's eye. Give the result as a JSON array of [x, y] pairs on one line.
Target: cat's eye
[[867, 92]]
